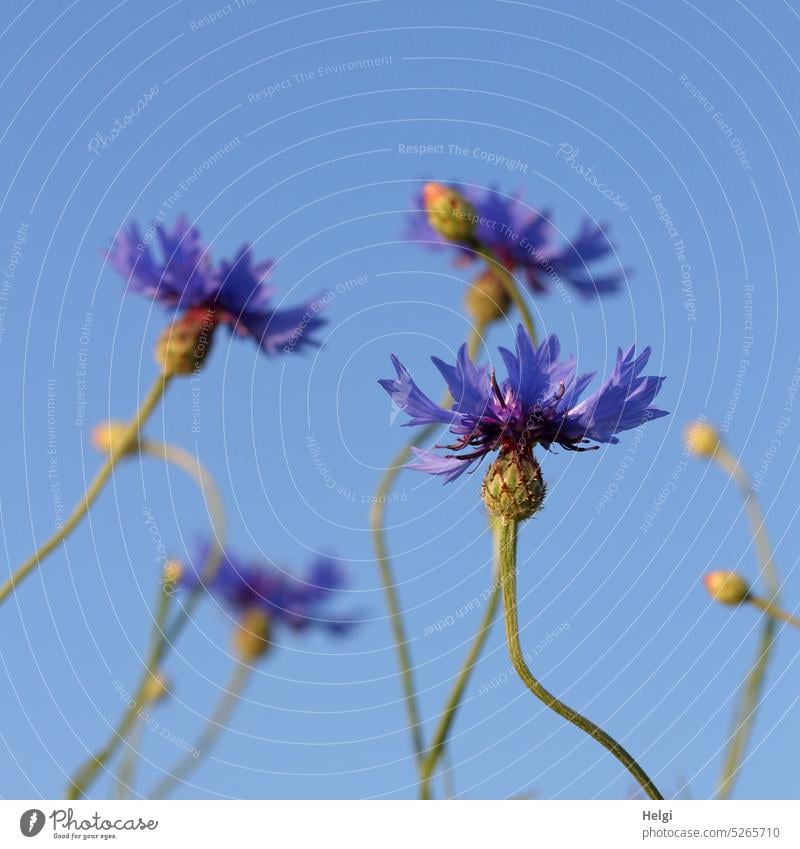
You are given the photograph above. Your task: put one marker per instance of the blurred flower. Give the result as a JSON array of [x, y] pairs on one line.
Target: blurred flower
[[232, 292], [537, 404], [523, 240], [247, 585]]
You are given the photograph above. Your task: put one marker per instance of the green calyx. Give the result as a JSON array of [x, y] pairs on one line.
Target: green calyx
[[513, 489]]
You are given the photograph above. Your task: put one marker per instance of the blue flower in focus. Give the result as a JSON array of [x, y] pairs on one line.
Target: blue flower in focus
[[538, 404], [173, 266], [523, 240], [296, 601]]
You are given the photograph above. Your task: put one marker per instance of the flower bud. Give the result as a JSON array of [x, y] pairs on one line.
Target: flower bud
[[183, 346], [156, 689], [727, 587], [513, 487], [173, 571], [702, 439], [450, 214], [487, 298], [251, 638], [109, 437]]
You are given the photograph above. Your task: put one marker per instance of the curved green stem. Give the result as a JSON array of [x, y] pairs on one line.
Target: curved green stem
[[163, 636], [378, 526], [437, 747], [217, 723], [774, 611], [511, 287], [377, 514], [753, 683], [191, 465], [127, 439], [507, 531]]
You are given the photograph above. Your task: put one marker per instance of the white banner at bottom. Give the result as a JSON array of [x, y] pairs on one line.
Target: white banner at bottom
[[411, 825]]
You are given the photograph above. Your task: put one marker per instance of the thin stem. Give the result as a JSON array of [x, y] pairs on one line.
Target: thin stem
[[743, 720], [754, 681], [755, 517], [378, 525], [127, 438], [437, 747], [127, 767], [507, 532], [83, 778], [377, 520], [448, 777], [510, 284], [216, 513], [216, 724], [164, 636], [774, 611], [215, 507]]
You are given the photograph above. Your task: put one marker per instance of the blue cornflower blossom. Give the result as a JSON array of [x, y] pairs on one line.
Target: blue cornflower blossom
[[248, 585], [521, 239], [232, 292], [537, 405]]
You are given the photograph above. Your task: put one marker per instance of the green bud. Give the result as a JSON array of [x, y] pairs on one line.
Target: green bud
[[109, 438], [487, 298], [156, 689], [183, 346], [173, 571], [513, 487], [251, 637], [450, 214], [727, 587], [701, 438]]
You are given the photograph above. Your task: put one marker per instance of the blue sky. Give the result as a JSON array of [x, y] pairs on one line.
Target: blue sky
[[265, 124]]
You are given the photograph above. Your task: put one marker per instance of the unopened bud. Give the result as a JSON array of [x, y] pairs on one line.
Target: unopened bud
[[701, 438], [109, 438], [251, 638], [156, 689], [173, 571], [727, 587], [183, 346], [450, 214], [513, 488], [487, 298]]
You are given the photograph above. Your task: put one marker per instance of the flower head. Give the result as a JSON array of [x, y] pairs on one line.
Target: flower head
[[297, 602], [522, 239], [538, 404], [182, 276], [513, 488]]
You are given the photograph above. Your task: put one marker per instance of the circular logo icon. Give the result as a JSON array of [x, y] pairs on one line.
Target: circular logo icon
[[31, 822]]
